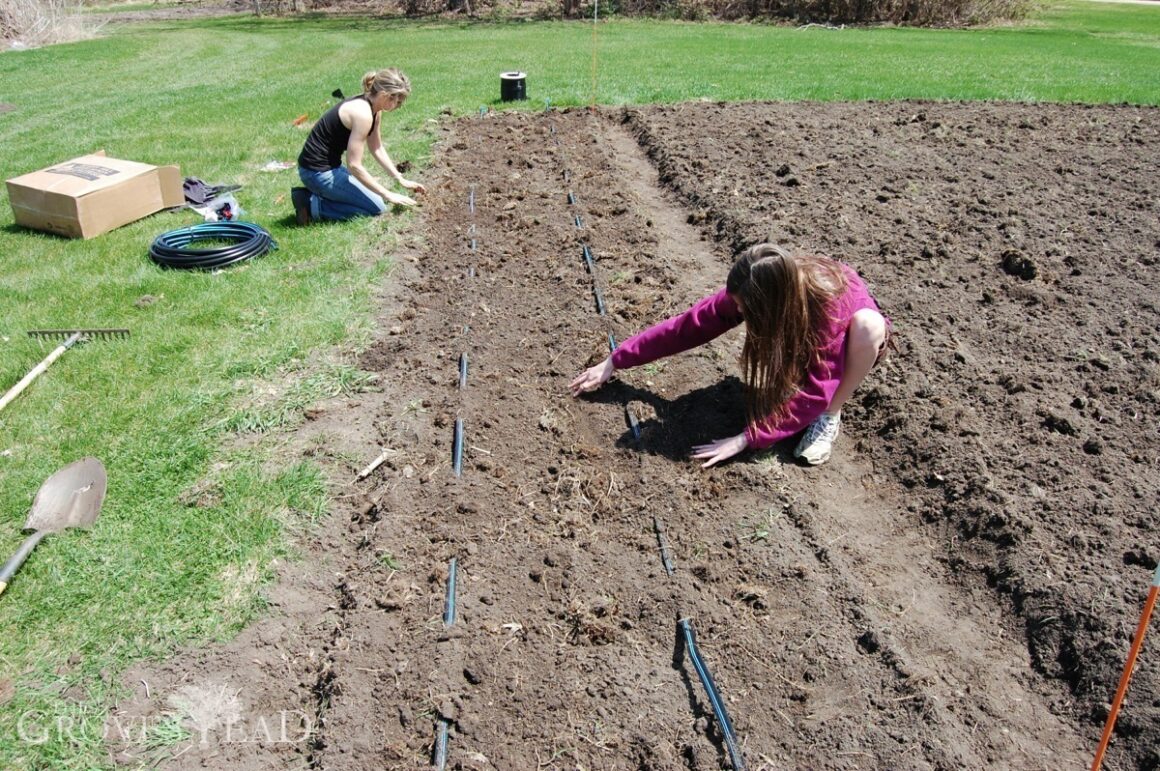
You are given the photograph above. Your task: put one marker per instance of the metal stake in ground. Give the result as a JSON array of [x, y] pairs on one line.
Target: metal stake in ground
[[1137, 641]]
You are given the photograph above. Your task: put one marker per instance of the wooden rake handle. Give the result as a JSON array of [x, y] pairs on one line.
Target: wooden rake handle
[[15, 390], [1137, 641]]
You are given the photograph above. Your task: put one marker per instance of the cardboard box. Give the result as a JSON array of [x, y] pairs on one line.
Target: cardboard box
[[93, 194]]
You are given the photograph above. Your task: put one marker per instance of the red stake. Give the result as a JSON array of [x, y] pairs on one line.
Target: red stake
[[1128, 667]]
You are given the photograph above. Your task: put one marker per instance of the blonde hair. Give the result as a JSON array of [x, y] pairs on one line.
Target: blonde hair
[[388, 81]]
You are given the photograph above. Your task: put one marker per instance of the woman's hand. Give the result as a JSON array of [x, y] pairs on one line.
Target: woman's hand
[[593, 377], [399, 200], [720, 449], [412, 185]]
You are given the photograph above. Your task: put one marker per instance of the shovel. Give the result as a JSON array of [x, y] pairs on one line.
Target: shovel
[[71, 497]]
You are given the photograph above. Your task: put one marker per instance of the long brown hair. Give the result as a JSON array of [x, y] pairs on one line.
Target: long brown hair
[[783, 300]]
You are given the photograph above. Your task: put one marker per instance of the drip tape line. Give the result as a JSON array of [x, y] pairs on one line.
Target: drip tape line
[[471, 200], [659, 527], [579, 222], [599, 299], [440, 760], [457, 448], [611, 343], [462, 371], [588, 258], [471, 272], [633, 426], [449, 613], [711, 689], [571, 198], [473, 244]]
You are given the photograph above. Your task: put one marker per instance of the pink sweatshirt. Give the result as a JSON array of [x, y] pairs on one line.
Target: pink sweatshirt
[[717, 314]]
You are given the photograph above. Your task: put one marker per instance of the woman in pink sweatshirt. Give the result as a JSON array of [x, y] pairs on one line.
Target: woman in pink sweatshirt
[[812, 334]]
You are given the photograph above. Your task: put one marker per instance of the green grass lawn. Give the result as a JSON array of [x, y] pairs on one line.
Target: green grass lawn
[[194, 520]]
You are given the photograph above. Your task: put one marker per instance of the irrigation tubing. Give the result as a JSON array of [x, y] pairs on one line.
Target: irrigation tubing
[[441, 745], [633, 425], [662, 541], [449, 612], [174, 249], [588, 259], [714, 698], [457, 448], [462, 371], [599, 299]]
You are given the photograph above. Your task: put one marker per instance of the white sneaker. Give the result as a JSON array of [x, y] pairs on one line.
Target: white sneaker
[[815, 445]]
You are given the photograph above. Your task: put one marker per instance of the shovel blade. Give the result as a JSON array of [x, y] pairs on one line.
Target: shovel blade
[[71, 497]]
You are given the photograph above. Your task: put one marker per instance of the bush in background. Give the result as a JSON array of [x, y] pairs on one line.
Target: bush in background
[[31, 23], [925, 13]]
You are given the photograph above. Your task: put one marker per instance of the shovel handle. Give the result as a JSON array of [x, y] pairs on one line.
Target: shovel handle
[[15, 390], [16, 560]]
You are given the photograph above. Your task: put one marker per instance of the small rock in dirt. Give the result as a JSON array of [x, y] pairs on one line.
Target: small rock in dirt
[[1058, 424], [408, 471], [472, 676], [447, 711], [389, 602], [868, 642], [1017, 264]]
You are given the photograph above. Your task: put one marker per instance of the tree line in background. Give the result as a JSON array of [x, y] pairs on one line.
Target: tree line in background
[[905, 12], [29, 23], [931, 13]]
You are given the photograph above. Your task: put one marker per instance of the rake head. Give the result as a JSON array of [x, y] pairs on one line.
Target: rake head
[[85, 334]]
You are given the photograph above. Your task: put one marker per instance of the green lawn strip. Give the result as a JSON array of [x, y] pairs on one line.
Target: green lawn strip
[[190, 527]]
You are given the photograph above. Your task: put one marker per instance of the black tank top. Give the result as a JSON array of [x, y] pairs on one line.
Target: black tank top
[[328, 140]]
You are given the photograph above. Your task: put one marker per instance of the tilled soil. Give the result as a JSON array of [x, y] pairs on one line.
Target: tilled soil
[[957, 588]]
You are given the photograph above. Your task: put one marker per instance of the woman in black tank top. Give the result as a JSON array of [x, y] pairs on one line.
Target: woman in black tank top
[[337, 192]]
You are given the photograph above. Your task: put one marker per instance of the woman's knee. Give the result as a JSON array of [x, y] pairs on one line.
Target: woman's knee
[[867, 332], [376, 205]]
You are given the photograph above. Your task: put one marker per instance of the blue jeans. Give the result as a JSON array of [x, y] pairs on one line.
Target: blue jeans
[[339, 196]]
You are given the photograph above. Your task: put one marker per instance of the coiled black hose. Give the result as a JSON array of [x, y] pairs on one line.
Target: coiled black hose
[[172, 249]]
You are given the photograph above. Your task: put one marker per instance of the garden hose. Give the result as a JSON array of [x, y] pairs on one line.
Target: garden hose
[[172, 249]]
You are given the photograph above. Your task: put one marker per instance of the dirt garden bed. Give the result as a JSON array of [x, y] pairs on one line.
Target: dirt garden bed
[[955, 589]]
